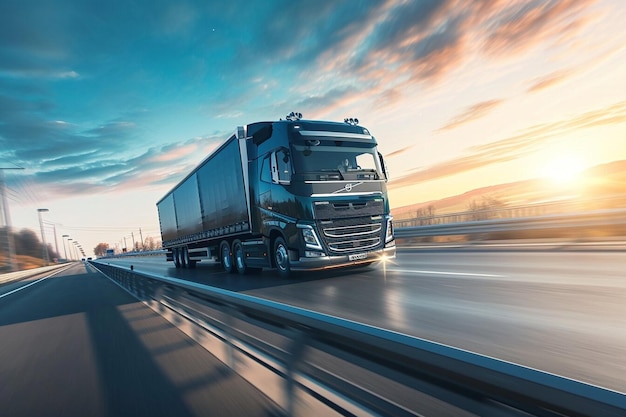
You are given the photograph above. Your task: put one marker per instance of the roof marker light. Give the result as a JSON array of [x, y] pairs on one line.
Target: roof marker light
[[294, 116], [351, 121]]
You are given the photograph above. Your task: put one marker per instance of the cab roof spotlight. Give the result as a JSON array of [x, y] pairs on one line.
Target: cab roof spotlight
[[351, 121], [294, 116]]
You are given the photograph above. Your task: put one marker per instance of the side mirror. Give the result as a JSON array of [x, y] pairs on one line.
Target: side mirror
[[383, 166]]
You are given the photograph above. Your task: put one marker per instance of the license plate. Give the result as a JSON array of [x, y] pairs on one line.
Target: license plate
[[357, 256]]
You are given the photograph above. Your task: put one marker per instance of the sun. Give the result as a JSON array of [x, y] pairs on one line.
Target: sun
[[564, 169]]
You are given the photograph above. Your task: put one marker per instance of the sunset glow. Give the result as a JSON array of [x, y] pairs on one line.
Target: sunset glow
[[564, 169]]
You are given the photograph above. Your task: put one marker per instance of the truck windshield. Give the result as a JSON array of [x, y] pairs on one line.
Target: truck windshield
[[332, 160]]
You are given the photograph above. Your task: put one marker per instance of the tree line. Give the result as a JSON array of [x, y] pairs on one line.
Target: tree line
[[26, 243], [149, 243]]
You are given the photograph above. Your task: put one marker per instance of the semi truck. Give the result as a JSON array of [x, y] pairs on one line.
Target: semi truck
[[291, 194]]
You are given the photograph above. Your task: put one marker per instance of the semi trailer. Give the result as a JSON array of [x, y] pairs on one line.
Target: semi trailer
[[291, 194]]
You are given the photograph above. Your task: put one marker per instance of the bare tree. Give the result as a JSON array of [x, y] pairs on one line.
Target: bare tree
[[101, 249], [425, 215], [151, 243], [484, 210]]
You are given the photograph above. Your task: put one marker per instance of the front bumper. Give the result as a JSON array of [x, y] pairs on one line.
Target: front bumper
[[328, 262]]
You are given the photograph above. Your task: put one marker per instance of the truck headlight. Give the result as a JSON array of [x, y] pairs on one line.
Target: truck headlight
[[310, 238], [389, 234]]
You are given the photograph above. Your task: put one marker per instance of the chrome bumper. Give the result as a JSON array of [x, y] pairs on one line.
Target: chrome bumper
[[328, 262]]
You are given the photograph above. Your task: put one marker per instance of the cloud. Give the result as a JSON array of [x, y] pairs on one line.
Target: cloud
[[549, 80], [428, 39], [399, 151], [317, 57], [418, 39], [472, 113], [514, 147], [523, 25], [89, 172], [448, 168], [30, 139], [328, 99], [60, 156]]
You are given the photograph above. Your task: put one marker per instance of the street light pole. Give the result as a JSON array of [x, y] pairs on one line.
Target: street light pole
[[56, 242], [43, 236], [64, 249]]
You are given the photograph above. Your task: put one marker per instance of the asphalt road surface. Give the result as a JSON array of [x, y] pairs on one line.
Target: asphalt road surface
[[75, 344], [562, 312]]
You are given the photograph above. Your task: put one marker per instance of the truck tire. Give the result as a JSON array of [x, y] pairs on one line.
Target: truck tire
[[239, 258], [190, 264], [183, 257], [281, 258], [176, 257], [226, 257]]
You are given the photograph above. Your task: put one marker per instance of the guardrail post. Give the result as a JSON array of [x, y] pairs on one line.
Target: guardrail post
[[297, 350]]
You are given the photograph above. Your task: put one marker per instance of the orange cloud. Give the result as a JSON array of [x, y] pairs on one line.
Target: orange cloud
[[398, 152], [548, 81], [523, 26], [472, 113], [177, 153]]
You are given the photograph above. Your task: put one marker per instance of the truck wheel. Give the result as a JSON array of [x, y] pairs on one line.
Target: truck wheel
[[281, 258], [176, 257], [226, 257], [190, 264], [239, 258], [183, 257]]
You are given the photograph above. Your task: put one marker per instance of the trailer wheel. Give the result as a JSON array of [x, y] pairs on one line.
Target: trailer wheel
[[187, 263], [176, 257], [281, 258], [184, 254], [239, 258], [226, 257]]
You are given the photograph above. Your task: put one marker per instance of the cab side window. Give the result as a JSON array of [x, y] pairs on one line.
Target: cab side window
[[284, 166], [266, 173]]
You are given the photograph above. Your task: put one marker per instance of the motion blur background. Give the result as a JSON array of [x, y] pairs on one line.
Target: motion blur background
[[483, 107]]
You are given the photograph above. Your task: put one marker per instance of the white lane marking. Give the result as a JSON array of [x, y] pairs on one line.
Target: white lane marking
[[465, 274], [32, 283]]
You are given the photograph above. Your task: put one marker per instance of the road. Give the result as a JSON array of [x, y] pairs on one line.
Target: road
[[562, 312], [75, 344]]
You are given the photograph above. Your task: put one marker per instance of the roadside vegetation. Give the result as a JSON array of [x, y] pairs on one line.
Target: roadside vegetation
[[27, 248]]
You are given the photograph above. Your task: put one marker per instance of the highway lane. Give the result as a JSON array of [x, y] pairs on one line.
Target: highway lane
[[561, 312], [75, 344]]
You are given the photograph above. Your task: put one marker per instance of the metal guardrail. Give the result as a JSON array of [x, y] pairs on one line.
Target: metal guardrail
[[155, 252], [311, 363], [573, 207], [599, 218], [14, 276]]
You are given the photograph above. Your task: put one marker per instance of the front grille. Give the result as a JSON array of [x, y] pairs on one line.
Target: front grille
[[344, 236], [346, 209]]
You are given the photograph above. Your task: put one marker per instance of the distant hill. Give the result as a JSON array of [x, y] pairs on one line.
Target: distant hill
[[598, 182]]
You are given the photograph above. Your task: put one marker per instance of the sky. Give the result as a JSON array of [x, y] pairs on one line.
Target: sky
[[107, 105]]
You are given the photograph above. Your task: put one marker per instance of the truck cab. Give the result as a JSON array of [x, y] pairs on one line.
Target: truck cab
[[321, 199]]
